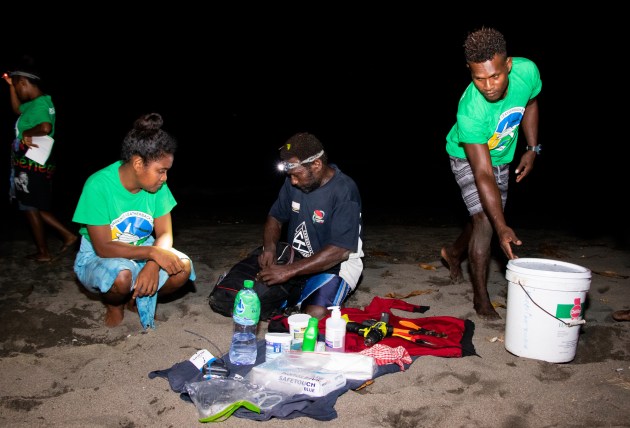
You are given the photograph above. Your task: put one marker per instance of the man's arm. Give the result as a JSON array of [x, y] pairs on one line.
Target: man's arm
[[15, 102], [479, 158], [40, 130], [529, 125], [271, 236], [321, 261]]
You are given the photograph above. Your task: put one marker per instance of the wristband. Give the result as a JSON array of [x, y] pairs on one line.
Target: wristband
[[535, 148]]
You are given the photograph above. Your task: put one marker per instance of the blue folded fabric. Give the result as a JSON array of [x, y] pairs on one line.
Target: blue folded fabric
[[146, 309]]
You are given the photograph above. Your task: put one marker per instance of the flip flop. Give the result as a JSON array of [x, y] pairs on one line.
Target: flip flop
[[39, 259]]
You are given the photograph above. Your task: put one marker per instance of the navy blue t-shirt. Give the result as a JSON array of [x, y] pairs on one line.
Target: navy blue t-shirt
[[329, 215]]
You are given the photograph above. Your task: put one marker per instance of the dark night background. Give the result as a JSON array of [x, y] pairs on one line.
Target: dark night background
[[378, 86]]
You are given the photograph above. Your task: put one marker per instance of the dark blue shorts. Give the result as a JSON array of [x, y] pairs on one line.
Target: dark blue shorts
[[325, 289]]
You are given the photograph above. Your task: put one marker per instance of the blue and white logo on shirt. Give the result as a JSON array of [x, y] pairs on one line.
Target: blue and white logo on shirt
[[132, 227]]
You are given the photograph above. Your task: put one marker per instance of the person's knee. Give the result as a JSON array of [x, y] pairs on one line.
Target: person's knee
[[177, 281], [122, 283], [120, 289], [316, 311], [187, 267]]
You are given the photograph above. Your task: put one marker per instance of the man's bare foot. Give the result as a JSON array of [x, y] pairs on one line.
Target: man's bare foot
[[114, 315], [487, 313], [623, 315], [454, 266]]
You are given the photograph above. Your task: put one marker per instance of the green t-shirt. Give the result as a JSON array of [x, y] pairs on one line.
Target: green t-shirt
[[495, 124], [34, 112], [130, 216]]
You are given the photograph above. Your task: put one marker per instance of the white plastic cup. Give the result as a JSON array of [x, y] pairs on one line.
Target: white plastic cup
[[297, 326], [276, 344]]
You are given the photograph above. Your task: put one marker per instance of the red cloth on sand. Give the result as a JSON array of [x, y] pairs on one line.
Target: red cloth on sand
[[458, 342]]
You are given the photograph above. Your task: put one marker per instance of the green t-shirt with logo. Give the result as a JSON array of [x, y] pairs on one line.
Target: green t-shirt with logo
[[495, 124], [104, 201]]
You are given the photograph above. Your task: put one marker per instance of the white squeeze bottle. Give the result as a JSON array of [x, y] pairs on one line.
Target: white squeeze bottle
[[335, 331]]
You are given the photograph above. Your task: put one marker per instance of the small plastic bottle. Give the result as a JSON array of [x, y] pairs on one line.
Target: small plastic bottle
[[335, 331], [310, 335], [246, 315]]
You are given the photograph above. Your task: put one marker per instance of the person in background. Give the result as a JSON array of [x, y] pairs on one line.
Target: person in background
[[126, 251], [31, 183], [498, 103], [321, 207]]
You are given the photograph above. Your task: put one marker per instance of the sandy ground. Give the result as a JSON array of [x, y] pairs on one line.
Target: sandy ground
[[61, 367]]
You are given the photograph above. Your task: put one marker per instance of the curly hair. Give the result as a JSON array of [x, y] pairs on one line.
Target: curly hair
[[148, 140], [483, 44], [302, 146]]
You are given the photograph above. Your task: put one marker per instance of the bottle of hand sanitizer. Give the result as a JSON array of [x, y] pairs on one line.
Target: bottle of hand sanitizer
[[335, 331]]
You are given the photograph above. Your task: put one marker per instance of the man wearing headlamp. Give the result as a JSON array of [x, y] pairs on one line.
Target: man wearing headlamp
[[322, 209]]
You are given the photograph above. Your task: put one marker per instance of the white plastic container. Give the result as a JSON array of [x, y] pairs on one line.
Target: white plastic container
[[335, 331], [276, 344], [297, 326]]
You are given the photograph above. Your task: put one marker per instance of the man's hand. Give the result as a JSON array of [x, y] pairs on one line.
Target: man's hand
[[267, 258], [275, 274], [525, 166], [506, 238]]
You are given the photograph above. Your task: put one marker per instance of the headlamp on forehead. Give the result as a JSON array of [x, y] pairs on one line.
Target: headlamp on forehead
[[285, 166], [23, 73]]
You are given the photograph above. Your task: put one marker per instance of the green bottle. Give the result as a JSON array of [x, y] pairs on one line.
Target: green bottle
[[310, 335]]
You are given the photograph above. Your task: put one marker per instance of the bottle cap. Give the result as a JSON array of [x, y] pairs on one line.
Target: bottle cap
[[248, 283], [336, 311]]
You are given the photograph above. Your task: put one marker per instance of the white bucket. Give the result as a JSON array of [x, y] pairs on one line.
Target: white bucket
[[545, 303]]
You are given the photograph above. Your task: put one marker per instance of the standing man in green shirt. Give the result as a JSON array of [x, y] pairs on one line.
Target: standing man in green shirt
[[500, 101]]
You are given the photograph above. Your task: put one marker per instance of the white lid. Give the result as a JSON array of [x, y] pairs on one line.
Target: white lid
[[299, 319]]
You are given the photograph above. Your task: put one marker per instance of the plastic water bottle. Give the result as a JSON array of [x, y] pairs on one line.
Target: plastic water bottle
[[335, 331], [246, 315], [310, 335]]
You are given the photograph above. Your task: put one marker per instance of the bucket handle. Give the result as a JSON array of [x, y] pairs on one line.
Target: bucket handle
[[568, 324]]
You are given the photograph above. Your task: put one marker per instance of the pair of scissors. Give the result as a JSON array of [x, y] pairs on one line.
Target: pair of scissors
[[419, 330], [266, 399]]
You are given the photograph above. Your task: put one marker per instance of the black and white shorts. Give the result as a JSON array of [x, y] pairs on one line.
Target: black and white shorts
[[466, 181]]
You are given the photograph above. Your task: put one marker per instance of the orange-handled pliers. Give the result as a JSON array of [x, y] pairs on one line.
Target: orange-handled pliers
[[408, 335]]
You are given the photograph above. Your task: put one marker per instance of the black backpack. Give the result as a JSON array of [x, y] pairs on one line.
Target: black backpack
[[273, 299]]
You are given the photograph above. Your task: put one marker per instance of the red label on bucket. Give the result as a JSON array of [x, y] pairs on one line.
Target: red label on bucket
[[577, 308], [572, 311]]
